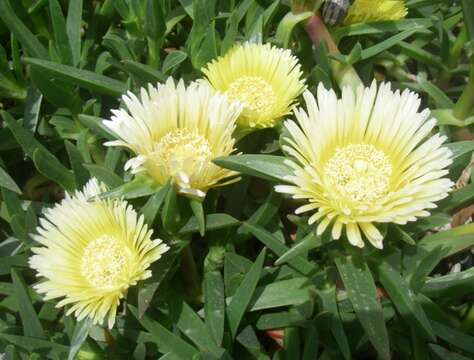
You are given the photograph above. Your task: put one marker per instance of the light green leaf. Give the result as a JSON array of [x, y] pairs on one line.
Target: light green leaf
[[268, 167], [173, 60], [81, 331]]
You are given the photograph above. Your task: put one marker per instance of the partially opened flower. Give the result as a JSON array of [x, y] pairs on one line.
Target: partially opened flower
[[364, 11], [265, 79], [91, 252], [364, 159], [176, 132]]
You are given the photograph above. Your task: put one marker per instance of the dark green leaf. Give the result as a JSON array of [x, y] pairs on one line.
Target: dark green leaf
[[104, 175], [31, 324], [241, 299], [166, 340], [404, 300], [31, 44], [7, 182], [32, 108], [279, 248], [60, 33], [84, 78], [362, 293], [198, 212], [152, 206], [191, 325], [282, 293], [213, 222], [214, 304], [81, 174], [48, 165], [73, 26]]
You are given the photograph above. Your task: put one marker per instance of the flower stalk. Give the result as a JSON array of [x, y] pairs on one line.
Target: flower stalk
[[344, 74]]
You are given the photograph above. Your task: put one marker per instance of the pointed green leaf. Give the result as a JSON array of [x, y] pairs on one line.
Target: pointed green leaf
[[30, 43], [81, 331], [84, 78], [241, 299], [191, 325], [7, 182], [73, 25], [268, 167], [31, 324], [404, 300], [48, 165], [198, 212], [212, 222], [214, 304], [279, 248], [165, 339], [60, 33], [362, 293]]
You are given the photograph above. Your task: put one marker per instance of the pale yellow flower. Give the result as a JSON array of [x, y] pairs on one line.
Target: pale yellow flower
[[176, 132], [364, 11], [363, 159], [91, 252], [265, 79]]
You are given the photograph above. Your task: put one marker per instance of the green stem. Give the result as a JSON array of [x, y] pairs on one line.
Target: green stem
[[344, 74], [190, 274]]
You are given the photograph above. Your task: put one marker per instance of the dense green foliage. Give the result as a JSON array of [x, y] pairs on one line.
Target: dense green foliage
[[242, 266]]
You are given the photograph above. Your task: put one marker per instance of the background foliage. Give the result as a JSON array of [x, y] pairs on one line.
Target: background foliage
[[244, 278]]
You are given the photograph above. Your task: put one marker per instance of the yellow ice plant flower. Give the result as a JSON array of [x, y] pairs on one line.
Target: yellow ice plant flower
[[266, 80], [366, 158], [175, 132], [91, 252], [364, 11]]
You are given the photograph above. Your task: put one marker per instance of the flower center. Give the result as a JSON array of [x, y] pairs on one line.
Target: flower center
[[359, 172], [104, 262], [255, 94], [182, 150]]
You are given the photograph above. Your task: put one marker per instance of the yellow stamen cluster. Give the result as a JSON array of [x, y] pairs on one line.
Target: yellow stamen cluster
[[181, 150], [254, 93], [364, 11], [103, 262], [359, 172]]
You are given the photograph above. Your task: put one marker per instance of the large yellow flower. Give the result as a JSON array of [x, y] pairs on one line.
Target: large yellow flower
[[363, 159], [92, 252], [176, 132], [364, 11], [265, 79]]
